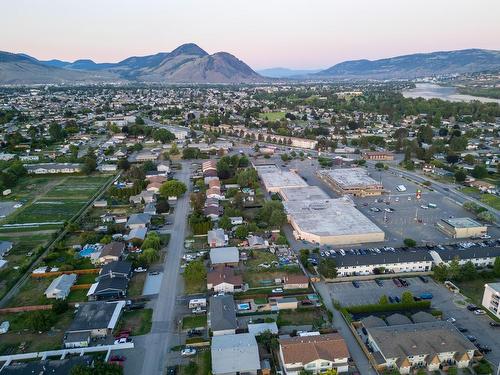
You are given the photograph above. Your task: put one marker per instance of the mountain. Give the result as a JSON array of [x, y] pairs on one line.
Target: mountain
[[286, 73], [416, 65], [187, 63], [23, 69]]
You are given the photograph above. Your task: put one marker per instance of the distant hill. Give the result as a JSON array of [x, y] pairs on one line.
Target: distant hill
[[187, 63], [416, 65], [22, 69], [286, 73]]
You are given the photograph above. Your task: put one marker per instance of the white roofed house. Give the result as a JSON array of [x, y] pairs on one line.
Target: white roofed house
[[217, 238], [60, 287], [140, 220], [235, 354]]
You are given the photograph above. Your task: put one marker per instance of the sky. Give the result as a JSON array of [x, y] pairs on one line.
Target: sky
[[300, 34]]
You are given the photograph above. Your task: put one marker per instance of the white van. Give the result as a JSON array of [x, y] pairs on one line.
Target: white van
[[401, 188]]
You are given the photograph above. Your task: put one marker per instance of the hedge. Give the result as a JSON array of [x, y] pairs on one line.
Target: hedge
[[419, 305]]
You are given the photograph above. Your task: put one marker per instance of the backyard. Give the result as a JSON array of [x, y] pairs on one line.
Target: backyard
[[138, 321], [194, 321], [309, 316]]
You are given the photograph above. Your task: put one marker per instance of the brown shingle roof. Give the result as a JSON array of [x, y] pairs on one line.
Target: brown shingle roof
[[221, 274], [113, 249], [310, 348]]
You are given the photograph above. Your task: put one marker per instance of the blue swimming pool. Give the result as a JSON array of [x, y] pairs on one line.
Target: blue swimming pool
[[243, 306]]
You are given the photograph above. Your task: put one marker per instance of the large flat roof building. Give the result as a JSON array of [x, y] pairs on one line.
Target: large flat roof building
[[301, 193], [331, 222], [275, 179], [461, 227], [354, 181]]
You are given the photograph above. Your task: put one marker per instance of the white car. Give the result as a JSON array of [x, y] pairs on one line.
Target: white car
[[451, 320], [479, 312], [187, 352], [485, 237], [424, 207], [140, 269], [277, 290]]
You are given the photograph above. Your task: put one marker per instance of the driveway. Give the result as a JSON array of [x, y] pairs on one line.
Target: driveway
[[152, 284]]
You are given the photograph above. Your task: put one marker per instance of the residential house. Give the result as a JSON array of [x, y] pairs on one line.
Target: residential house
[[111, 252], [92, 320], [221, 316], [283, 303], [137, 235], [217, 238], [295, 282], [315, 354], [223, 279], [60, 287], [53, 168], [154, 187], [143, 197], [491, 298], [112, 282], [140, 220], [47, 366], [235, 355], [212, 212], [228, 256]]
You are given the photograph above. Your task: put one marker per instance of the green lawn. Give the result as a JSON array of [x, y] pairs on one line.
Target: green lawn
[[194, 321], [139, 321], [491, 200], [312, 316], [474, 289], [201, 364], [34, 342], [78, 295], [136, 284], [191, 287], [272, 116]]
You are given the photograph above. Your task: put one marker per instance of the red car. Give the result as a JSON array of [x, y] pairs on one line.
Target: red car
[[118, 363], [117, 358]]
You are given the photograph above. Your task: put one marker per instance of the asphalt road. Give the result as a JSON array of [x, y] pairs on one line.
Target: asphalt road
[[157, 343]]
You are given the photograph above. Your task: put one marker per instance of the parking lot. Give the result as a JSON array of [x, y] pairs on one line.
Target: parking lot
[[452, 306]]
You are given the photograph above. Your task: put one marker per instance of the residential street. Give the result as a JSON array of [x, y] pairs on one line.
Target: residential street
[[157, 343]]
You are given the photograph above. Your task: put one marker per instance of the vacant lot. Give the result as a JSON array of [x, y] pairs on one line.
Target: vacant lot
[[474, 289], [194, 321], [138, 321], [312, 316]]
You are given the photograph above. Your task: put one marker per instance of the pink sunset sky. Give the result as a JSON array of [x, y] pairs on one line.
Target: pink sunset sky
[[270, 33]]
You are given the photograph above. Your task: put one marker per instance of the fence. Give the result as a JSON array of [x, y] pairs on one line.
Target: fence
[[25, 308], [58, 273]]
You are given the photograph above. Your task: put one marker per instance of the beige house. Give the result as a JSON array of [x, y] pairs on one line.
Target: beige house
[[314, 354], [491, 298]]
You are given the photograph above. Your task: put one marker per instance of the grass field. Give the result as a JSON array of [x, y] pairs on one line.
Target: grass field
[[139, 321], [272, 116], [136, 284], [201, 364], [78, 295], [488, 199], [34, 342], [474, 289], [194, 321], [300, 317]]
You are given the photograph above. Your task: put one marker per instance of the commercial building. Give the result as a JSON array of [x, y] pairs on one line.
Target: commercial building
[[461, 227], [491, 298], [411, 346], [354, 181], [275, 179], [235, 354], [377, 155], [315, 354], [303, 193], [331, 222]]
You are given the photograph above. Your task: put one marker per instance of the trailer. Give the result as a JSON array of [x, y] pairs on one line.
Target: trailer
[[197, 303]]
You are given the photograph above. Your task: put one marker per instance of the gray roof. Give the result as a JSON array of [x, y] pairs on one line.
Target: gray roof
[[430, 338], [220, 255], [96, 315], [111, 284], [61, 283], [5, 246], [49, 366], [222, 313], [138, 219], [119, 267], [257, 328], [139, 233], [383, 258], [470, 253], [372, 321], [397, 319], [422, 317], [235, 354]]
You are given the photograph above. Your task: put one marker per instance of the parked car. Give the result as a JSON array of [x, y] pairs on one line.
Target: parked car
[[494, 324], [451, 320], [426, 296], [172, 370], [472, 307], [483, 348], [154, 273], [117, 358], [479, 312], [194, 332], [471, 338], [140, 269], [277, 290], [365, 332], [423, 279], [396, 298], [187, 352], [397, 283], [123, 340], [355, 284], [379, 282], [463, 330]]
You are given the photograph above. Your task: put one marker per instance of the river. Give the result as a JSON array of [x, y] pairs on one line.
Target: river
[[431, 91]]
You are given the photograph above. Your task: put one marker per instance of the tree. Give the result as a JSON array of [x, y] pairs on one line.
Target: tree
[[486, 216], [225, 223], [172, 188], [460, 175], [174, 150], [269, 340], [241, 232], [162, 206], [406, 297], [152, 241], [149, 256], [60, 306], [89, 163], [191, 368], [100, 368], [247, 178], [328, 268], [469, 271], [198, 201], [56, 132], [195, 272], [277, 219], [410, 242], [383, 300], [469, 159], [40, 320], [454, 270], [479, 171], [440, 272], [379, 165], [123, 164], [496, 267]]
